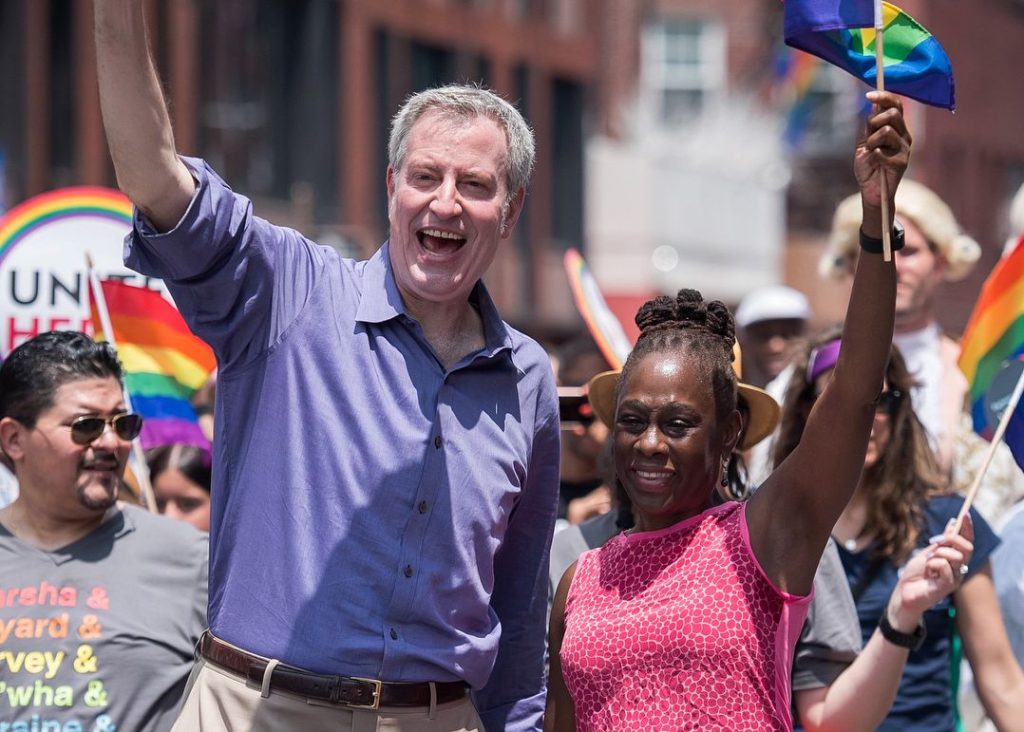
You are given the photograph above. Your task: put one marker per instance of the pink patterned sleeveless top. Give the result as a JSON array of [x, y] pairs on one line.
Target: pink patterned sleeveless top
[[680, 629]]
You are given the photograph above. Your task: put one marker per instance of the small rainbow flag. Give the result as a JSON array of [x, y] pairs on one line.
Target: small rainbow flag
[[164, 362], [842, 32], [795, 71], [995, 337], [601, 321]]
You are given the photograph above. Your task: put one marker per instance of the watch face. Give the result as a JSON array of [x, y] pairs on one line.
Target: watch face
[[897, 235]]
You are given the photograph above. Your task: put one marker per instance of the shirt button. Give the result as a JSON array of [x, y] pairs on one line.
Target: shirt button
[[408, 570], [422, 508], [437, 442], [394, 634]]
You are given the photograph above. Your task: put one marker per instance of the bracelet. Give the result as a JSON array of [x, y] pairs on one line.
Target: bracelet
[[874, 246], [913, 641]]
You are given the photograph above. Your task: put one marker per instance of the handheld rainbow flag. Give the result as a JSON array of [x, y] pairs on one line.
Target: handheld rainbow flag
[[164, 362], [992, 348], [842, 32]]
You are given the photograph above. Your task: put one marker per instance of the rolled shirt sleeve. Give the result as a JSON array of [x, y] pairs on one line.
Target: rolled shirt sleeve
[[240, 279]]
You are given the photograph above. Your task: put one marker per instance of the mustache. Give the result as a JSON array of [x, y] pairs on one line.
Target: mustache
[[101, 460]]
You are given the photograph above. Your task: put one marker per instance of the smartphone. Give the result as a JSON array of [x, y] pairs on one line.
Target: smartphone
[[573, 407]]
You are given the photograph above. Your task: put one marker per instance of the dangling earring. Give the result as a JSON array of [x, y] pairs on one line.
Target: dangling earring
[[725, 473]]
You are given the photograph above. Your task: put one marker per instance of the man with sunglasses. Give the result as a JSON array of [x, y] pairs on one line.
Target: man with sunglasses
[[101, 603]]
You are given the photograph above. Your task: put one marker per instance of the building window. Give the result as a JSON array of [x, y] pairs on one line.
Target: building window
[[683, 67], [269, 98]]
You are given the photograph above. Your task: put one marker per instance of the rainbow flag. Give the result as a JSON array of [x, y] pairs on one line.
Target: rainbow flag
[[795, 71], [164, 363], [842, 32], [994, 339], [601, 321]]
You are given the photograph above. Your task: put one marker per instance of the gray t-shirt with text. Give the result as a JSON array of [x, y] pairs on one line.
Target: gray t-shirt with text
[[98, 636]]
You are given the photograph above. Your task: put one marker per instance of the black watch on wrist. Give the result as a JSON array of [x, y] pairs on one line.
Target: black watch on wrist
[[874, 246], [913, 641]]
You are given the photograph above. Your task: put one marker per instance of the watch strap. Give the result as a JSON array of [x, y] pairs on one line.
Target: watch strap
[[913, 641], [875, 246]]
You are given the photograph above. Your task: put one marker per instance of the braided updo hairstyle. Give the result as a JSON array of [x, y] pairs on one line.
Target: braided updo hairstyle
[[703, 330]]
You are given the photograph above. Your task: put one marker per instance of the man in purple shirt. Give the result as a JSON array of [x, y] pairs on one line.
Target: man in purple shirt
[[386, 465]]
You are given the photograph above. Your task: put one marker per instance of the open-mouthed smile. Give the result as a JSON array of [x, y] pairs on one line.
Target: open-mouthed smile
[[439, 241]]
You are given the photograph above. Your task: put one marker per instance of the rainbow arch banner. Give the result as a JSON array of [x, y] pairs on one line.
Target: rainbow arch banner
[[43, 243], [47, 208]]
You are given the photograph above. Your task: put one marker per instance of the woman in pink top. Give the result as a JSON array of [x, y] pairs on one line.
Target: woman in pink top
[[689, 621]]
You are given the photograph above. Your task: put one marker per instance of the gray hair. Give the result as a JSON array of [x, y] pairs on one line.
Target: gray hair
[[467, 101]]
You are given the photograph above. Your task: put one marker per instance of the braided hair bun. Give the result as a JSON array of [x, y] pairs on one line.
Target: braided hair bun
[[688, 311]]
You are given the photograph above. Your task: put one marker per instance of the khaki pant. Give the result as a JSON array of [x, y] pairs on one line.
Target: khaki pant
[[217, 699]]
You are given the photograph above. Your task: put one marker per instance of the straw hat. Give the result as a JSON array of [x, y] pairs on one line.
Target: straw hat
[[928, 213], [764, 410]]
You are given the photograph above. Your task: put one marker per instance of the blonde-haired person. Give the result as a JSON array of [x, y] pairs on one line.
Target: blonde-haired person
[[937, 251]]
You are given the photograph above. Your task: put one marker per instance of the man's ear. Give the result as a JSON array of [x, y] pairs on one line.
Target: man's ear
[[515, 207], [391, 181], [12, 433], [390, 178]]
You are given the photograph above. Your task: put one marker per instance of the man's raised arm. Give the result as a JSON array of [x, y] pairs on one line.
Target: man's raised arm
[[135, 116]]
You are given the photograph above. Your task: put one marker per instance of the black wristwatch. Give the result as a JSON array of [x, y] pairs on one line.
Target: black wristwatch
[[875, 246], [913, 641]]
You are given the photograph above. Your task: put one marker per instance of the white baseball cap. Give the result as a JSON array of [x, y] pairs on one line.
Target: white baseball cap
[[776, 302]]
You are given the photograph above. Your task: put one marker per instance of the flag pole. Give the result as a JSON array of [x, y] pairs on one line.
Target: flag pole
[[141, 468], [880, 86], [1011, 407]]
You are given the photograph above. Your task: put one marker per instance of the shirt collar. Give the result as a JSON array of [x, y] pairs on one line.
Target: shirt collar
[[381, 301], [118, 524]]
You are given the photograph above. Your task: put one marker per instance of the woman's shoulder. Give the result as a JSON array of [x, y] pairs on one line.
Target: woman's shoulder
[[944, 507], [940, 509]]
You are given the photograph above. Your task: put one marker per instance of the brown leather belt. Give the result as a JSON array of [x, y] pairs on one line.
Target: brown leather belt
[[350, 691]]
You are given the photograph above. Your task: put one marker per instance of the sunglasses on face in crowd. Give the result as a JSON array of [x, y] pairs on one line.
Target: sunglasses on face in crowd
[[85, 430], [889, 402]]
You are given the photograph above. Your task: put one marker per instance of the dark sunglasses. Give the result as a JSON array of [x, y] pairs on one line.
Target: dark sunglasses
[[889, 402], [85, 430]]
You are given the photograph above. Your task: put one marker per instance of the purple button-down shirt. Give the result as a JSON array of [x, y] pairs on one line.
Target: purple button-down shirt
[[373, 514]]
